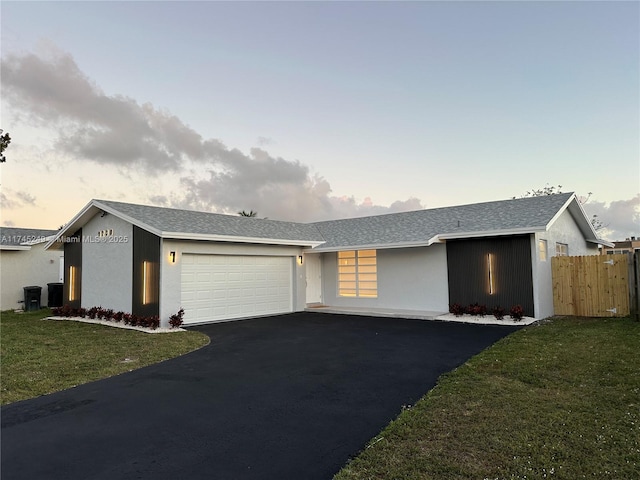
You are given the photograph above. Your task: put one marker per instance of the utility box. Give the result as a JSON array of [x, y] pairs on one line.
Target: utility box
[[32, 295], [55, 294]]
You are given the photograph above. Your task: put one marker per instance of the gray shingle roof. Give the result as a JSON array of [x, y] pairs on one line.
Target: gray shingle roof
[[419, 226], [170, 220], [10, 236]]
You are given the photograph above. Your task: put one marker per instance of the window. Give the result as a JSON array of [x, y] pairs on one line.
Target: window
[[491, 278], [73, 283], [148, 276], [562, 249], [357, 273], [542, 250]]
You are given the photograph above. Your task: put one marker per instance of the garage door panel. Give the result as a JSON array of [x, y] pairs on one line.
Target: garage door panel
[[221, 287]]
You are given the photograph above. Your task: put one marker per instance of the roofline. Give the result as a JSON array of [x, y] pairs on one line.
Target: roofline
[[372, 246], [127, 218], [15, 247], [600, 241], [489, 233], [237, 239], [27, 245], [439, 238], [36, 242], [587, 229], [67, 227], [172, 235]]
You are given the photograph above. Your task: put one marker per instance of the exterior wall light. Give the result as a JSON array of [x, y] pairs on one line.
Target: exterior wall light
[[172, 256], [299, 259], [492, 288]]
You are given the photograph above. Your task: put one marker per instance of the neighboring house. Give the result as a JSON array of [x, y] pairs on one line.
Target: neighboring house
[[630, 245], [153, 261], [25, 262]]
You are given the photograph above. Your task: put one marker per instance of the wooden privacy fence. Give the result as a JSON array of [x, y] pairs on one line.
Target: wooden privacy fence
[[592, 286]]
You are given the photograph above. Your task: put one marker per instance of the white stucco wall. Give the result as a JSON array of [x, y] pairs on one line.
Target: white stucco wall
[[22, 268], [107, 264], [170, 273], [408, 279], [564, 230]]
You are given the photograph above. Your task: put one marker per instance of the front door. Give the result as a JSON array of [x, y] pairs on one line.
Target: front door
[[314, 278]]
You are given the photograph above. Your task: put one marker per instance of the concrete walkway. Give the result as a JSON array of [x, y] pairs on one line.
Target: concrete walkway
[[376, 312]]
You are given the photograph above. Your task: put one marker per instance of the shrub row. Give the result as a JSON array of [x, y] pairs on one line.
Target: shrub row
[[516, 312], [99, 313]]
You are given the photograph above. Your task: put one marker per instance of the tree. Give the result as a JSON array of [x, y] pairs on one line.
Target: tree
[[250, 213], [547, 190], [5, 140], [596, 223]]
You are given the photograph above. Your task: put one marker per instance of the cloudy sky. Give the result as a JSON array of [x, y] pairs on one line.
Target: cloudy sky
[[310, 111]]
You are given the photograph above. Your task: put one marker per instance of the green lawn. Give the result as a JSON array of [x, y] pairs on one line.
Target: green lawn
[[557, 400], [42, 356]]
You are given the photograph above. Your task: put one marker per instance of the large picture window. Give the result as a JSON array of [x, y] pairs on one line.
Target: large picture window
[[357, 273]]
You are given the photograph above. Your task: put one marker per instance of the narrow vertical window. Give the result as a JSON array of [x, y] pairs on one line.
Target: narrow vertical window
[[542, 250], [73, 283], [347, 274], [492, 288], [148, 290]]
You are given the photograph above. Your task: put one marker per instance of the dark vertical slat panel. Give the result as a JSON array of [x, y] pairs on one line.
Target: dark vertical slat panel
[[469, 277], [146, 247], [72, 257]]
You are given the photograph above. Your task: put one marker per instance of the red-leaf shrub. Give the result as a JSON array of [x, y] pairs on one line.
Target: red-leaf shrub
[[175, 320], [499, 312], [457, 309], [93, 313], [475, 309], [516, 312]]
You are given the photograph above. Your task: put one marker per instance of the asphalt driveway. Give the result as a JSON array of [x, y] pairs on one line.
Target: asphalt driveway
[[293, 396]]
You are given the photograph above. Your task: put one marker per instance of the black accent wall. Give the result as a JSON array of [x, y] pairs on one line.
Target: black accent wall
[[467, 264], [146, 248], [72, 257]]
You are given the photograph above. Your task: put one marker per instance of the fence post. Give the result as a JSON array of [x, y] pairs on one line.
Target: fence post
[[634, 285]]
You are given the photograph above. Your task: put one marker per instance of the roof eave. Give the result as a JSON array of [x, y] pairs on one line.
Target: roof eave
[[15, 247], [127, 218], [73, 225], [440, 238], [488, 233], [39, 241], [600, 241], [86, 214], [580, 217], [373, 246], [239, 239]]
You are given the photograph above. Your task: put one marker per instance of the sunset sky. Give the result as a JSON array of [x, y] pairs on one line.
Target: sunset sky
[[310, 111]]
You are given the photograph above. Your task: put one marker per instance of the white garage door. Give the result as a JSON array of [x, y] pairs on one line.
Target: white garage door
[[222, 287]]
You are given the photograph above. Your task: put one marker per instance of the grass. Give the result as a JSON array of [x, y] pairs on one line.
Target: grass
[[556, 400], [44, 356]]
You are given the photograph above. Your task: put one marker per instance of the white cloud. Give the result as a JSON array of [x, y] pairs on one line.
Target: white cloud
[[12, 199], [118, 131], [621, 219]]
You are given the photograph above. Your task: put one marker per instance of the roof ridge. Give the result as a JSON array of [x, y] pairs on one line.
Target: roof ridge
[[408, 212], [226, 215]]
